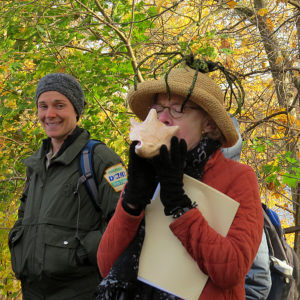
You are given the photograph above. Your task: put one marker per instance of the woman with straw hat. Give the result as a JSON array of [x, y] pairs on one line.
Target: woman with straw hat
[[193, 102]]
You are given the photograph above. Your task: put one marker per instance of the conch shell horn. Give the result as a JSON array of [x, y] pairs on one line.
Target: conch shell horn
[[151, 134]]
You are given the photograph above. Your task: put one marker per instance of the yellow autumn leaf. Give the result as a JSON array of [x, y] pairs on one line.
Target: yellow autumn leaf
[[293, 121], [102, 116], [293, 44], [225, 43], [29, 64], [270, 24], [262, 12], [119, 144], [276, 195], [10, 103], [232, 4], [244, 42], [229, 62], [159, 6], [279, 60]]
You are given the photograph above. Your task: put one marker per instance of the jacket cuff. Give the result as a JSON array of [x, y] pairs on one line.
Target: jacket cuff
[[131, 211]]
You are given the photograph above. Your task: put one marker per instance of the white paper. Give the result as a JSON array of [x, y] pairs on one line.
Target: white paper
[[164, 262]]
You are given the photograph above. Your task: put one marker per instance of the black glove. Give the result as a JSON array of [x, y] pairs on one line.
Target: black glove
[[141, 182], [169, 168]]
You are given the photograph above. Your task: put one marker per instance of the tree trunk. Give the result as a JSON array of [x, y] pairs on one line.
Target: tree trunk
[[282, 82]]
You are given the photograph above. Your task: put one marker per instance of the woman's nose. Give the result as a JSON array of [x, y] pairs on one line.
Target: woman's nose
[[50, 112], [165, 117]]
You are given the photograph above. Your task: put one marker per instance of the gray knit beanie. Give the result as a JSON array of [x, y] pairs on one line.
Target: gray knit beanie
[[64, 84]]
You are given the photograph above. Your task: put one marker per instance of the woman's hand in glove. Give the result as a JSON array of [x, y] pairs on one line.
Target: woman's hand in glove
[[141, 182], [169, 169]]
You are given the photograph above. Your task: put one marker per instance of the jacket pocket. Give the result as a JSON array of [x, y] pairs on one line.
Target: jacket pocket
[[16, 246], [60, 257]]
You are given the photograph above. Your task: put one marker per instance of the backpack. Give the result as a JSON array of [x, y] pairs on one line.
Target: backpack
[[284, 263], [88, 177]]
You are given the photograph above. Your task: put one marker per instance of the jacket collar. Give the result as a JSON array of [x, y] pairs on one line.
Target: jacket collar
[[69, 150], [67, 142], [216, 157]]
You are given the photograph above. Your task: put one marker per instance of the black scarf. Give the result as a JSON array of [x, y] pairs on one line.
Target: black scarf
[[198, 157]]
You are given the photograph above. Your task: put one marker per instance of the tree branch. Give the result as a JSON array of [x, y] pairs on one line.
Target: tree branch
[[284, 208], [291, 229], [294, 3], [122, 36], [272, 115]]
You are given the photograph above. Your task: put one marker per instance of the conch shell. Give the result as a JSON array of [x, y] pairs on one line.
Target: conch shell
[[151, 134]]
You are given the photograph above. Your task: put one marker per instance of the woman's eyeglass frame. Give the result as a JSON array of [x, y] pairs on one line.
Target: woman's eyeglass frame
[[174, 113]]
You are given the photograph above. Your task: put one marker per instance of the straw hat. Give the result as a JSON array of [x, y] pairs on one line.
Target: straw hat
[[206, 93]]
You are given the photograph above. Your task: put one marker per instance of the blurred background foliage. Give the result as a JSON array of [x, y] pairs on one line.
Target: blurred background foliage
[[104, 43]]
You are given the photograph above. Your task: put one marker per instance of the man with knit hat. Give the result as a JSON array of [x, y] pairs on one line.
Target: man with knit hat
[[55, 239], [194, 103]]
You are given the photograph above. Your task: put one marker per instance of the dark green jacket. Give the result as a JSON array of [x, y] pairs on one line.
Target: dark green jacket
[[58, 230]]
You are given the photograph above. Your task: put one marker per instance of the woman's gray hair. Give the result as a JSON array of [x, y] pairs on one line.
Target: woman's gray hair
[[216, 134]]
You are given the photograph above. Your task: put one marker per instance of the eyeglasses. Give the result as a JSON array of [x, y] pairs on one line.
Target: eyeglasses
[[175, 110]]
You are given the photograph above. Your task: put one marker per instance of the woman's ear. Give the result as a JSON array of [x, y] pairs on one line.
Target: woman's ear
[[208, 125]]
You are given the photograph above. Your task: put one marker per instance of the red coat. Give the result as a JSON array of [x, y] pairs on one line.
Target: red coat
[[225, 260]]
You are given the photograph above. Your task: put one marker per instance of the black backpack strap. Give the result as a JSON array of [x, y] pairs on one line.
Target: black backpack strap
[[276, 243], [280, 266], [87, 171]]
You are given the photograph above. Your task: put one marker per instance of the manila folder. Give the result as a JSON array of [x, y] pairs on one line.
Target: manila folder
[[164, 262]]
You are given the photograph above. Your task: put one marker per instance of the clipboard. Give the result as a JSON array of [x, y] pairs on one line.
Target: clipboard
[[164, 262]]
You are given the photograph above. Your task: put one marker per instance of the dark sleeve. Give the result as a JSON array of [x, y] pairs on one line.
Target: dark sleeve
[[19, 221], [258, 280]]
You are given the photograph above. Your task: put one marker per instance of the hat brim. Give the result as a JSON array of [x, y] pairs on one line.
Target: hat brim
[[142, 99]]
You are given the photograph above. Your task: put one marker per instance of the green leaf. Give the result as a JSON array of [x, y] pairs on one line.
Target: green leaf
[[40, 28], [290, 180], [227, 51], [152, 11], [266, 169]]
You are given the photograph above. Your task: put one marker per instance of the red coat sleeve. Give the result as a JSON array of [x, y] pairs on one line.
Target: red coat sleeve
[[120, 231], [226, 260]]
